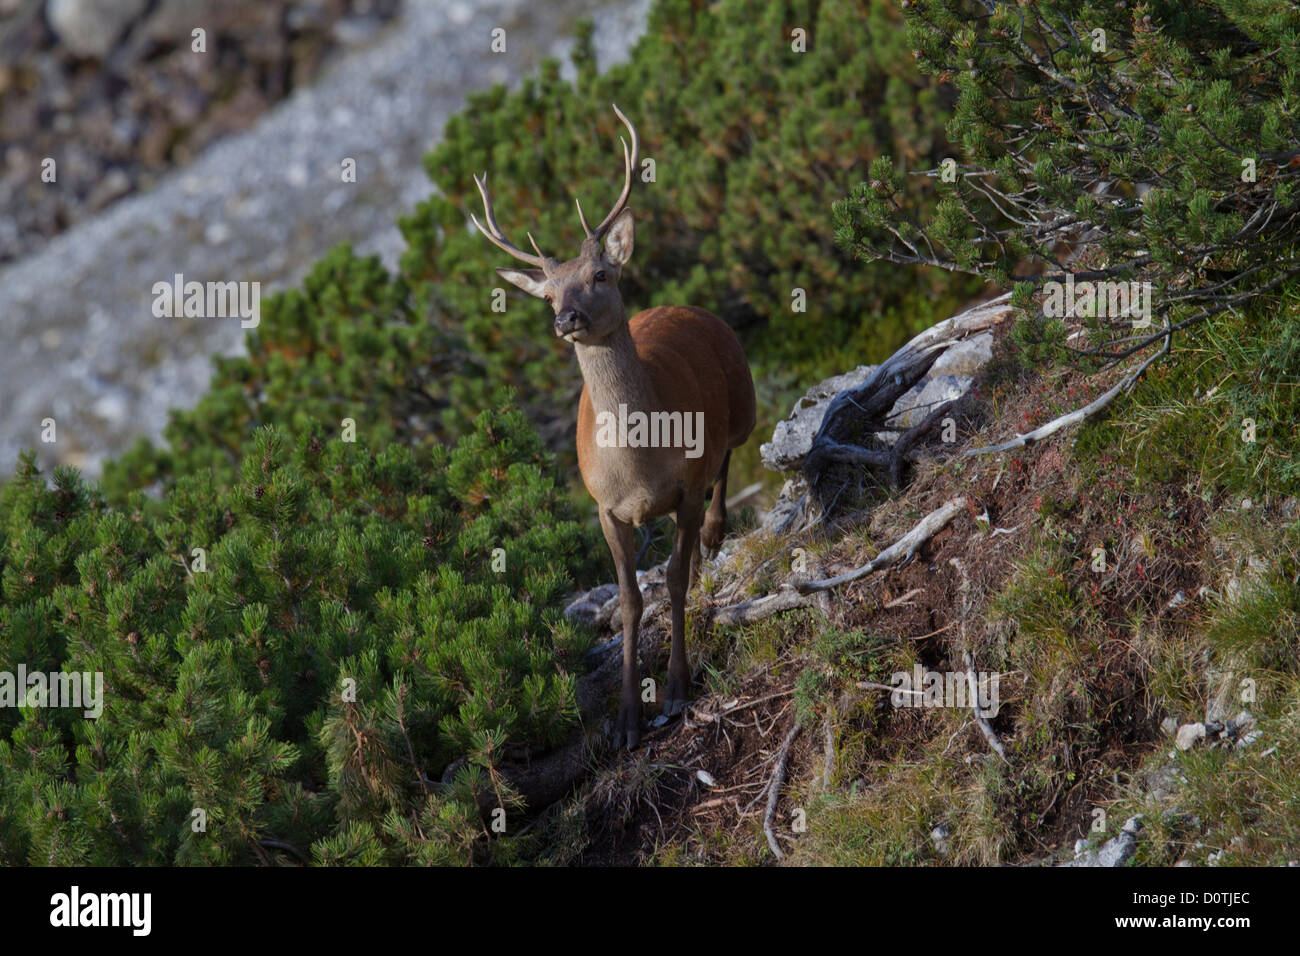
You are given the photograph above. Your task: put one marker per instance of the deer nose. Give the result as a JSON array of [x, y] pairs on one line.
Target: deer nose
[[570, 320]]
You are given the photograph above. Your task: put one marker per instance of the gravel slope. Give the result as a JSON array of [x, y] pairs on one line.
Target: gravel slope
[[80, 341]]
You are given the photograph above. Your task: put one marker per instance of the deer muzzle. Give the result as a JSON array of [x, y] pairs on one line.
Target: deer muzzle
[[570, 321]]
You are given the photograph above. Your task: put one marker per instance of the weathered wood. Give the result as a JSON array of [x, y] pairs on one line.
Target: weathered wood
[[864, 410]]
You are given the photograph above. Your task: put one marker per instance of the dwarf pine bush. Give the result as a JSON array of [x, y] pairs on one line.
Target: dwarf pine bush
[[292, 661]]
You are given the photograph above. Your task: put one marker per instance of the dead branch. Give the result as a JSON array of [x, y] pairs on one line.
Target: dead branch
[[785, 599], [990, 735], [740, 497], [774, 790], [904, 599], [902, 549], [1079, 414], [972, 685]]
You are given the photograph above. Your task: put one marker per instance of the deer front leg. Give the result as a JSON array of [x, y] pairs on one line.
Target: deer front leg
[[622, 545], [685, 554]]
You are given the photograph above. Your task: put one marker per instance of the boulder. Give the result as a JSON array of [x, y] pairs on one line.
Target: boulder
[[792, 437]]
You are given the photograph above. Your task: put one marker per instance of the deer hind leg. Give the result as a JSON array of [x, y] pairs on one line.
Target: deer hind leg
[[622, 545], [715, 522], [686, 551]]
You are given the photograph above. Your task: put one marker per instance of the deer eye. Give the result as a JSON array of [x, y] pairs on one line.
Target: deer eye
[[600, 275], [547, 297]]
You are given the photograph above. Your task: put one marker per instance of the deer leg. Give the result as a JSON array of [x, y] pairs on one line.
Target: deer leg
[[715, 522], [685, 555], [622, 545]]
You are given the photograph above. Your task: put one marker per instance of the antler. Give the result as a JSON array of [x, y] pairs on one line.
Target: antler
[[629, 167], [497, 237]]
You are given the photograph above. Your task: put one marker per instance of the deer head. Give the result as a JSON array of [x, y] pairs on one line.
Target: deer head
[[583, 292]]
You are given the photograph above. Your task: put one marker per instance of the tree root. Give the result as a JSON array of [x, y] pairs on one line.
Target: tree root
[[1078, 415], [774, 790], [899, 551]]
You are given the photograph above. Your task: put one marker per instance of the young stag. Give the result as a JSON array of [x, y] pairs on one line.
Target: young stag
[[678, 368]]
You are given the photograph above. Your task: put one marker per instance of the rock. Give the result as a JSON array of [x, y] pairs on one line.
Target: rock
[[930, 392], [1114, 852], [939, 838], [1250, 572], [1189, 735], [966, 358], [601, 649], [582, 611], [1243, 722], [92, 27], [602, 593], [114, 184], [1169, 725], [706, 778], [605, 616], [587, 608], [792, 437], [783, 511]]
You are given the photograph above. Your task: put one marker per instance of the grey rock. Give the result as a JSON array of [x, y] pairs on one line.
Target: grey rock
[[1114, 852], [602, 593], [92, 27], [949, 378], [602, 649], [1242, 723], [784, 510], [928, 394], [939, 839], [605, 616], [582, 611], [1189, 735], [966, 358], [1248, 738], [792, 437]]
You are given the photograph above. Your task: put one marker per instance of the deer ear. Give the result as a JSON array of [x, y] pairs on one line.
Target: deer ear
[[532, 281], [618, 241]]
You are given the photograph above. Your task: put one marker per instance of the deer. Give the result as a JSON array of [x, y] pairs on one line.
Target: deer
[[661, 362]]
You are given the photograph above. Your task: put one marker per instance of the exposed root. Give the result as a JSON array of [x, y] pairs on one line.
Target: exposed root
[[786, 599], [899, 551], [972, 683], [774, 790], [1078, 415]]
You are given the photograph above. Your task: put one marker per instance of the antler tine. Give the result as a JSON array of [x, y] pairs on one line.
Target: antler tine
[[495, 235], [629, 167], [581, 218]]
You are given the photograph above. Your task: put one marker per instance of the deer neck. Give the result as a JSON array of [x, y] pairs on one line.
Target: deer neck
[[615, 374]]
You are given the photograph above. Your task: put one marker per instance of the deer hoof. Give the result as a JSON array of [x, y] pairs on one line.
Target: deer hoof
[[675, 706], [627, 730]]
